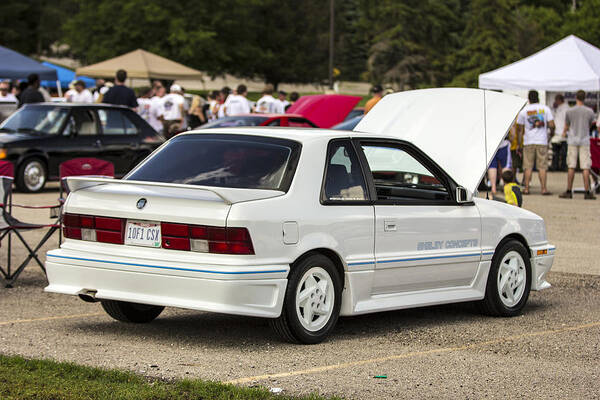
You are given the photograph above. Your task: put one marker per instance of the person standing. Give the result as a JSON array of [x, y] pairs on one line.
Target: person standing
[[97, 89], [31, 94], [81, 94], [173, 111], [156, 108], [237, 104], [266, 104], [120, 94], [534, 120], [223, 95], [281, 103], [5, 95], [578, 121], [377, 95], [559, 143]]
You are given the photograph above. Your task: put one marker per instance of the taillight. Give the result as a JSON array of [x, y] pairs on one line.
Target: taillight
[[206, 239], [94, 229], [174, 236]]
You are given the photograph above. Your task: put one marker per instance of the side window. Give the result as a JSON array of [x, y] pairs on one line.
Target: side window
[[83, 123], [130, 128], [343, 180], [115, 123], [400, 176], [276, 122]]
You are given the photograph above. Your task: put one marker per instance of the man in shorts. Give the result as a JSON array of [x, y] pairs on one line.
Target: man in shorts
[[580, 119], [535, 119]]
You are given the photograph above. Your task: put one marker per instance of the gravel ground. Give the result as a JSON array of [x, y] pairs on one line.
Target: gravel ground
[[551, 351]]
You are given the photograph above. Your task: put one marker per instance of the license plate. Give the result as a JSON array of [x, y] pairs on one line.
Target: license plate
[[143, 233]]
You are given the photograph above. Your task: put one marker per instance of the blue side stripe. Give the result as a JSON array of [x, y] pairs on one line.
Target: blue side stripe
[[420, 258], [172, 268]]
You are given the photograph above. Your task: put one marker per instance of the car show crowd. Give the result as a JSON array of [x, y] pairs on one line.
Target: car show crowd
[[561, 130]]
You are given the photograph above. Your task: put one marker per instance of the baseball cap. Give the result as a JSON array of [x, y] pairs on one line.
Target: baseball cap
[[175, 88]]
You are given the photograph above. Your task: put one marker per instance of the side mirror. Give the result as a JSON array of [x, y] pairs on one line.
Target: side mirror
[[463, 195]]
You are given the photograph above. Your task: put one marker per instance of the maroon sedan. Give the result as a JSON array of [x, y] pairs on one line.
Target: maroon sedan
[[294, 120]]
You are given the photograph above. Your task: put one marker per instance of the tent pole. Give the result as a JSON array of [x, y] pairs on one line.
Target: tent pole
[[59, 88]]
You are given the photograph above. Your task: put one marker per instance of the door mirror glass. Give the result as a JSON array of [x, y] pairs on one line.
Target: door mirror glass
[[463, 195]]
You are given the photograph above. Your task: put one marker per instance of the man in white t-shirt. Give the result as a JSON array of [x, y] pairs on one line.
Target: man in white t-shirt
[[266, 104], [535, 119], [173, 111], [237, 104], [81, 94], [281, 103], [156, 108], [5, 94], [559, 143]]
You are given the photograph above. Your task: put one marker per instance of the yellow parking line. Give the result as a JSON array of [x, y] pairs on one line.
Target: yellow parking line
[[408, 355], [20, 321]]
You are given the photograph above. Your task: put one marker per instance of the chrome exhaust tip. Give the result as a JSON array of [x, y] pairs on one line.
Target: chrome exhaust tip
[[88, 295]]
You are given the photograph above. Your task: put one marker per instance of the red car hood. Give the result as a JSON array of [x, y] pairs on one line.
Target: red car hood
[[325, 110]]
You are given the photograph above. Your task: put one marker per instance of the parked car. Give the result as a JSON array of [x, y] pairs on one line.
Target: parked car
[[38, 137], [357, 112], [302, 226], [348, 124], [260, 120]]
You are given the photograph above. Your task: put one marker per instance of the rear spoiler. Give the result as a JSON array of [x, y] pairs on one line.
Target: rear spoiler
[[227, 195]]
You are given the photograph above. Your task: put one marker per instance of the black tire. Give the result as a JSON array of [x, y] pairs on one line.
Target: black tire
[[131, 312], [493, 304], [288, 325], [29, 185]]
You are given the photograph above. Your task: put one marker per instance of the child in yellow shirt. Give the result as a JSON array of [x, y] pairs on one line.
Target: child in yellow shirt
[[512, 191]]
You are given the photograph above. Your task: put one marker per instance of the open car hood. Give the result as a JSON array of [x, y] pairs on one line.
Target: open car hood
[[449, 125], [325, 110]]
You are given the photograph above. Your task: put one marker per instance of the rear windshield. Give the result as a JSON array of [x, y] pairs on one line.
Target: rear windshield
[[234, 161]]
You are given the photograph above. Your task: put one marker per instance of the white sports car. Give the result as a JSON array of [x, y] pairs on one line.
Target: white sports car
[[304, 225]]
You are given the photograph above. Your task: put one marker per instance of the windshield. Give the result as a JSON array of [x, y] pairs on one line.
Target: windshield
[[229, 122], [48, 120], [234, 161]]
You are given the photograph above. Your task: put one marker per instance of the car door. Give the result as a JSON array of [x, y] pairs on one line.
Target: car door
[[424, 239], [79, 138], [120, 139], [346, 199]]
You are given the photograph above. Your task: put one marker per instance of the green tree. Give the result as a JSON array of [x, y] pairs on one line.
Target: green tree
[[584, 22], [104, 29], [489, 40], [413, 41], [536, 28], [30, 27]]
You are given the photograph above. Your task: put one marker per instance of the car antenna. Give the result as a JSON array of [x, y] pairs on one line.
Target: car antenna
[[487, 188]]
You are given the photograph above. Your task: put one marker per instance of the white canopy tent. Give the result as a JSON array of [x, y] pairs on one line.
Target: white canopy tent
[[568, 65]]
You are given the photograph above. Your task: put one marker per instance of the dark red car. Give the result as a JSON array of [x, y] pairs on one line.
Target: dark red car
[[294, 120]]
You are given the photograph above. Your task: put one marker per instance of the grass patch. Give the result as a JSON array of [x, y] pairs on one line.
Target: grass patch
[[43, 379]]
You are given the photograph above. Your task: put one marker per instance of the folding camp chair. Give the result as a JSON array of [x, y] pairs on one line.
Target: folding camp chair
[[10, 225], [595, 170], [82, 167]]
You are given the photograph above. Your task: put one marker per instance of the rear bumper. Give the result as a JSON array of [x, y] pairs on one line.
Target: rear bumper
[[540, 266], [242, 290]]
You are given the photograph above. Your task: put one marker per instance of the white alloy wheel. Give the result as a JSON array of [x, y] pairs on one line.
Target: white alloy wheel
[[34, 175], [511, 278], [315, 298]]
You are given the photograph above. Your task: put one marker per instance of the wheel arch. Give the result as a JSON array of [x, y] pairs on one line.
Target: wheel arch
[[514, 236], [331, 254], [32, 153]]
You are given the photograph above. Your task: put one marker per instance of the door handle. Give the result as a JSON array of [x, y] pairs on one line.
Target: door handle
[[389, 225], [97, 143]]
